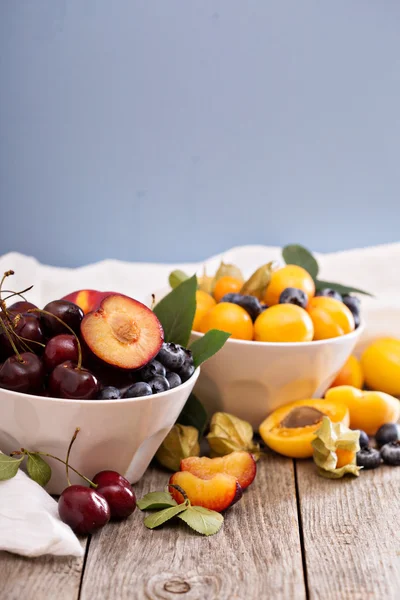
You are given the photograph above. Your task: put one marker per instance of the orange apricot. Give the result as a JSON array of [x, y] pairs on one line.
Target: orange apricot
[[368, 410], [230, 318], [350, 374], [331, 318], [381, 365], [289, 430], [226, 285], [204, 302], [288, 276], [283, 323]]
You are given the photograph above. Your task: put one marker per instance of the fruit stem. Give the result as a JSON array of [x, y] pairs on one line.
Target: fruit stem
[[77, 430], [94, 485], [6, 274], [14, 347], [46, 312], [12, 294], [180, 490]]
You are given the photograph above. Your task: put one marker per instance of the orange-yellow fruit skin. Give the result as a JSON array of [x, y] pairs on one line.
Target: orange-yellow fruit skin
[[226, 285], [288, 276], [283, 323], [381, 365], [368, 410], [350, 374], [296, 442], [331, 318], [230, 318], [203, 304], [344, 457]]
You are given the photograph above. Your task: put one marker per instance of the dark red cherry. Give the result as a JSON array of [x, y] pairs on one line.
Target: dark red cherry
[[120, 499], [83, 509], [68, 312], [24, 374], [59, 349], [29, 327], [104, 478], [69, 381], [22, 306]]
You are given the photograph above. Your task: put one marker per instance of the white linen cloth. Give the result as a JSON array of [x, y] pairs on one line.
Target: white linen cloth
[[29, 522]]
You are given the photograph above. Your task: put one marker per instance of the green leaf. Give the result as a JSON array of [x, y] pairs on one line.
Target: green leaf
[[38, 469], [176, 278], [294, 254], [158, 518], [156, 500], [9, 466], [338, 287], [176, 312], [208, 345], [202, 520], [194, 414]]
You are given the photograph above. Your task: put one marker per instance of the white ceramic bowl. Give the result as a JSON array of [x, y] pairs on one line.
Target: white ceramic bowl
[[251, 379], [122, 435]]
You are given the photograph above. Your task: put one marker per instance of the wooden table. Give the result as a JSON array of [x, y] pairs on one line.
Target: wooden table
[[294, 535]]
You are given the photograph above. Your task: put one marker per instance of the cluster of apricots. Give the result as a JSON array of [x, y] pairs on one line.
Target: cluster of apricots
[[289, 309]]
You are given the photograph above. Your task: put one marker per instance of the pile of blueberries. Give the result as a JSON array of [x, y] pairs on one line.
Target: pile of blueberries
[[387, 439], [172, 366], [295, 296]]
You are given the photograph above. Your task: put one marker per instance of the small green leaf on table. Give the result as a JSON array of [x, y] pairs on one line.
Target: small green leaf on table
[[176, 312], [9, 466], [38, 469], [208, 345], [158, 518], [176, 278], [338, 287], [202, 520], [193, 414], [156, 501], [294, 254]]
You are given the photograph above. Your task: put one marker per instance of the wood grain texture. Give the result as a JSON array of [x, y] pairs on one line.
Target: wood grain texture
[[42, 578], [351, 531], [255, 555]]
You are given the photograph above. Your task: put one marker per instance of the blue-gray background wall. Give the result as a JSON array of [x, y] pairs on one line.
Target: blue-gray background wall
[[173, 129]]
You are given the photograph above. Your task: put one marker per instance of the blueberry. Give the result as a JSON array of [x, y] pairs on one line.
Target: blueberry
[[391, 453], [158, 384], [390, 432], [109, 393], [231, 297], [173, 379], [293, 295], [329, 294], [369, 458], [172, 356], [188, 356], [186, 371], [364, 439], [357, 320], [140, 388], [353, 303], [150, 370]]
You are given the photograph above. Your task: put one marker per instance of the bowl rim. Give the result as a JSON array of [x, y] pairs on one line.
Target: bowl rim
[[314, 343], [97, 402]]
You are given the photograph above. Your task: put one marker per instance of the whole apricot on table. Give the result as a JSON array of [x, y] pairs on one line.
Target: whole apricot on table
[[368, 410], [283, 323], [381, 365], [289, 430], [204, 302], [331, 318], [226, 285], [230, 318], [290, 276], [350, 374]]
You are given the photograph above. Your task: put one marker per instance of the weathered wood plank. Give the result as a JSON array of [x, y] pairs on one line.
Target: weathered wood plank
[[351, 531], [256, 554], [42, 578]]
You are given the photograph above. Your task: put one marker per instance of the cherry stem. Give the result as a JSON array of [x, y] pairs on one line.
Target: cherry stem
[[6, 274], [46, 312], [180, 490], [25, 452], [14, 347], [77, 430], [153, 301], [12, 294]]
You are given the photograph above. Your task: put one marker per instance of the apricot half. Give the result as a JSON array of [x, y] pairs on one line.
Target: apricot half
[[289, 430]]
